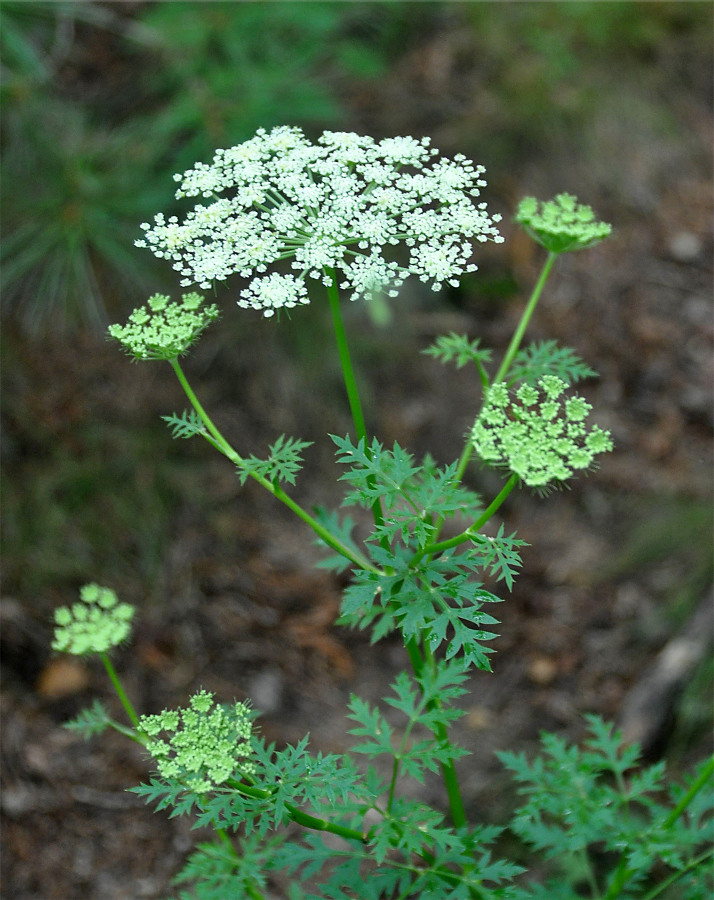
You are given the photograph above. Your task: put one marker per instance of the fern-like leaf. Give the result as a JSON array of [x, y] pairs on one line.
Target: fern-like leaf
[[282, 465], [459, 349], [547, 358], [186, 425], [90, 721]]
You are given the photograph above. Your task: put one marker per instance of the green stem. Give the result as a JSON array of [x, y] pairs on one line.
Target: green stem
[[472, 531], [451, 783], [121, 693], [253, 892], [392, 785], [137, 736], [350, 381], [250, 889], [675, 876], [694, 789], [623, 873], [221, 443], [345, 360], [225, 448], [448, 770], [588, 869], [526, 317], [299, 816]]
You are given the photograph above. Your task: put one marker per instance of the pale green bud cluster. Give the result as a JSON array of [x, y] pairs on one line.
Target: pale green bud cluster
[[94, 625], [562, 224], [162, 329], [206, 743], [539, 434]]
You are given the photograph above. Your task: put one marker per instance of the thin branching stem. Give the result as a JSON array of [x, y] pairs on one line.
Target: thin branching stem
[[623, 873], [472, 531], [703, 778], [675, 876], [513, 348], [299, 816], [220, 442], [121, 693]]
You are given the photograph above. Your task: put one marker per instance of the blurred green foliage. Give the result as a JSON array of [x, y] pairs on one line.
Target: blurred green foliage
[[68, 178], [102, 104], [550, 67]]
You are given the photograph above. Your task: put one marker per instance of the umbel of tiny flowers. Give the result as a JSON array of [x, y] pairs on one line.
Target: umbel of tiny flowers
[[206, 744], [562, 224], [539, 434], [95, 624], [163, 329], [341, 204]]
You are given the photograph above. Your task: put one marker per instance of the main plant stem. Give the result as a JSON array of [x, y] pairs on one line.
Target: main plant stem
[[345, 359], [456, 806], [348, 376]]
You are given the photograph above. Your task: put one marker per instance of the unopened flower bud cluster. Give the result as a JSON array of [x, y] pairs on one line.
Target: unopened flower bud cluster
[[343, 204], [539, 433], [95, 624], [206, 744], [164, 329], [561, 224]]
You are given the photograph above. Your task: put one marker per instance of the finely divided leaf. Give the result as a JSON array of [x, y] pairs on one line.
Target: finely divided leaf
[[460, 349], [283, 464], [498, 555], [186, 425], [90, 721], [547, 358]]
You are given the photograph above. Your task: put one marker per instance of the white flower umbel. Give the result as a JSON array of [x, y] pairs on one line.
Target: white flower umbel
[[334, 205]]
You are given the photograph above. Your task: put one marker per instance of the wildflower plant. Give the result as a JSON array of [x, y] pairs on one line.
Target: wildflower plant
[[361, 216]]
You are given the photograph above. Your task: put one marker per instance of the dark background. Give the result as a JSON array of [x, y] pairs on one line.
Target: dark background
[[102, 103]]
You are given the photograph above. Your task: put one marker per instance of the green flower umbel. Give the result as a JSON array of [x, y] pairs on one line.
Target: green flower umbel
[[206, 744], [540, 434], [562, 224], [162, 329], [94, 625]]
